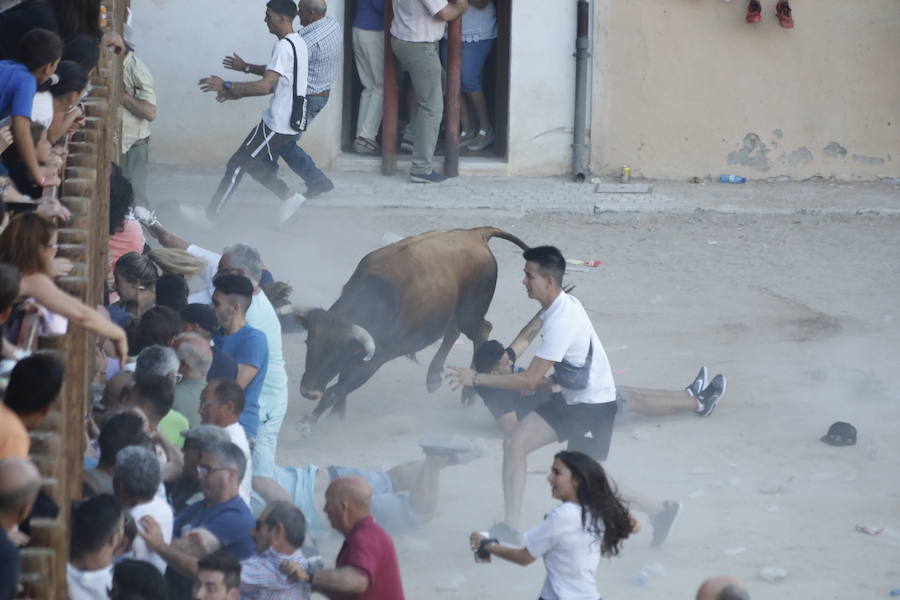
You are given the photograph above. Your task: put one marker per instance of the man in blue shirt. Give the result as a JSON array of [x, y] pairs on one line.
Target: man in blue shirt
[[246, 345], [221, 513], [39, 54]]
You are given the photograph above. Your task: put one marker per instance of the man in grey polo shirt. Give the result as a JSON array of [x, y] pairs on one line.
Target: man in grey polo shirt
[[417, 27]]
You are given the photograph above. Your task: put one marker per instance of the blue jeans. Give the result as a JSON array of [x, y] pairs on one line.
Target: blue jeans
[[296, 158]]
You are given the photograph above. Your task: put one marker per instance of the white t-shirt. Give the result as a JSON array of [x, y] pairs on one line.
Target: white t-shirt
[[415, 20], [278, 116], [42, 108], [160, 510], [567, 333], [88, 585], [206, 274], [239, 438], [571, 554]]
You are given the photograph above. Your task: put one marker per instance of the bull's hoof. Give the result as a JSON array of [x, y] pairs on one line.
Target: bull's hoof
[[433, 382], [468, 396]]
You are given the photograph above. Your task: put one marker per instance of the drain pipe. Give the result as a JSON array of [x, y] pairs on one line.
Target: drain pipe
[[580, 168]]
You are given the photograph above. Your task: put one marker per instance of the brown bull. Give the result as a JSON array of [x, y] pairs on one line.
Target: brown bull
[[400, 299]]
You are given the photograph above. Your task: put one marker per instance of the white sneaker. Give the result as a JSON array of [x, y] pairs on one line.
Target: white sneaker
[[289, 207], [195, 216]]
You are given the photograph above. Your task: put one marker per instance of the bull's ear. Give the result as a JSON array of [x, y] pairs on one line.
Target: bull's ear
[[301, 314]]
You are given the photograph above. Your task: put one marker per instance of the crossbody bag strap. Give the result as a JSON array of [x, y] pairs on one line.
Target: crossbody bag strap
[[294, 48]]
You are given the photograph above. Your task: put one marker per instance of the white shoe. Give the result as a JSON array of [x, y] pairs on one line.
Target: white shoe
[[289, 207], [195, 216]]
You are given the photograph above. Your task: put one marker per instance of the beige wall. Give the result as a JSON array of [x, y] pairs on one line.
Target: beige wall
[[687, 88]]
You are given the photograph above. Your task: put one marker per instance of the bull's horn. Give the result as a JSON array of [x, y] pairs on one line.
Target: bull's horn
[[365, 338], [297, 310]]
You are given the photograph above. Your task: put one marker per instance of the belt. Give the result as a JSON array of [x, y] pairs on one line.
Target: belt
[[323, 93], [141, 142]]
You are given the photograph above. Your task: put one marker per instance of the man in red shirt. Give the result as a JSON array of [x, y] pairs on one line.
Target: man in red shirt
[[366, 567]]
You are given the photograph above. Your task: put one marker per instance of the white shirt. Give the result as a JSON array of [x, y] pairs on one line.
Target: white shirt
[[278, 116], [571, 554], [88, 585], [415, 20], [567, 334], [206, 274], [42, 108], [239, 439], [160, 510]]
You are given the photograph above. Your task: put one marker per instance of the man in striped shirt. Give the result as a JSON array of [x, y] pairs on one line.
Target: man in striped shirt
[[324, 42], [279, 534]]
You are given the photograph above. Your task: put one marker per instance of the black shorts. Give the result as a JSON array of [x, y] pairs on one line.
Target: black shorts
[[501, 402], [573, 422]]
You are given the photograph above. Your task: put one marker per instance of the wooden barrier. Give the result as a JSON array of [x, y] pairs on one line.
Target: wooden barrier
[[58, 447]]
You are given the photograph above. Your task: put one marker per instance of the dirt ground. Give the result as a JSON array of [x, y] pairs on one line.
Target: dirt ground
[[799, 312]]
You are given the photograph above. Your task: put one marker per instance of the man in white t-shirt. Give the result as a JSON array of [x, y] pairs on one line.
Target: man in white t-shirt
[[221, 404], [136, 479], [582, 415], [258, 154], [97, 527]]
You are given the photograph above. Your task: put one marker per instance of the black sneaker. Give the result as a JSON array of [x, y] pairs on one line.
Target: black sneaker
[[506, 534], [662, 522], [318, 189], [698, 384], [433, 177], [710, 396]]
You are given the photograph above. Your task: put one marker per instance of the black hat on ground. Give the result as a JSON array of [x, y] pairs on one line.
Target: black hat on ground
[[840, 434]]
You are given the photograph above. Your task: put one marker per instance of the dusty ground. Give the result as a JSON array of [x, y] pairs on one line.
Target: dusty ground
[[800, 312]]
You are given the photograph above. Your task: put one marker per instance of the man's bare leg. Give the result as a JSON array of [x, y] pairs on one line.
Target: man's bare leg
[[657, 402], [508, 423], [269, 489], [422, 479], [532, 433]]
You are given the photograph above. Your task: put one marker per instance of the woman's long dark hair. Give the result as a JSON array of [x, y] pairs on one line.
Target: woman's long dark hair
[[601, 508]]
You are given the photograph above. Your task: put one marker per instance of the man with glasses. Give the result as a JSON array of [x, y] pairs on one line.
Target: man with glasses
[[222, 513], [279, 535], [221, 403]]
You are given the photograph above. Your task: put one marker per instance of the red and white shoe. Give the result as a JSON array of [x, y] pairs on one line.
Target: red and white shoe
[[754, 11], [783, 12]]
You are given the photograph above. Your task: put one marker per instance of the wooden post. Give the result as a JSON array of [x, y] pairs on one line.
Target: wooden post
[[451, 113], [391, 115]]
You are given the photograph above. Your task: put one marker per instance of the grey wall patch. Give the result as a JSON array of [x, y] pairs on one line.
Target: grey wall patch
[[778, 133], [835, 150], [868, 160], [800, 156], [753, 154]]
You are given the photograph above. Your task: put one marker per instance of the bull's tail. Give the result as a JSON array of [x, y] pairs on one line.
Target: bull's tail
[[492, 232]]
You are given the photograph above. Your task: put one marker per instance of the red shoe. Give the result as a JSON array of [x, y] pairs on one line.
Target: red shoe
[[783, 12], [754, 11]]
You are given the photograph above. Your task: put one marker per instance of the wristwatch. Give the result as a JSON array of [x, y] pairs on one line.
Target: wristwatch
[[227, 85]]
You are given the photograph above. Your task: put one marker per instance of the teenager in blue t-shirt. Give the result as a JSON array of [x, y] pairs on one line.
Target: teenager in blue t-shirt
[[39, 54], [246, 345]]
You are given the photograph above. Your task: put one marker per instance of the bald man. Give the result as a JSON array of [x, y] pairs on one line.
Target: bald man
[[19, 485], [722, 588], [194, 361], [366, 567]]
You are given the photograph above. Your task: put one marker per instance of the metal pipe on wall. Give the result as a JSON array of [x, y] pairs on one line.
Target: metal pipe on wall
[[580, 168]]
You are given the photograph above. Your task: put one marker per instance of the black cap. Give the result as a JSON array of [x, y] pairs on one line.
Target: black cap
[[840, 434], [200, 314]]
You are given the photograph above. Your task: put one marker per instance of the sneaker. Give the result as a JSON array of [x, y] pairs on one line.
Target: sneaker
[[754, 11], [457, 448], [318, 189], [482, 140], [433, 177], [145, 216], [289, 207], [662, 522], [196, 216], [783, 12], [710, 396], [505, 534], [698, 384]]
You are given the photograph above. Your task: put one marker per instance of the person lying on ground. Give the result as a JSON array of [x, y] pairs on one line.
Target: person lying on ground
[[723, 588]]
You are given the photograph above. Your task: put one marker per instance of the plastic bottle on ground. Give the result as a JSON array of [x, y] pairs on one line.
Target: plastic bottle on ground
[[731, 178]]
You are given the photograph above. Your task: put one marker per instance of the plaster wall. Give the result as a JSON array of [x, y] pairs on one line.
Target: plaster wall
[[182, 42], [688, 89]]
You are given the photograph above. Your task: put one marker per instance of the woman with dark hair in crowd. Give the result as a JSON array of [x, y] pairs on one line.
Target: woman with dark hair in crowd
[[29, 243], [68, 18], [133, 288], [589, 523], [67, 94]]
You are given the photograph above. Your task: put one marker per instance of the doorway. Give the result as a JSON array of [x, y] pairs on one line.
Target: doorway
[[494, 81]]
